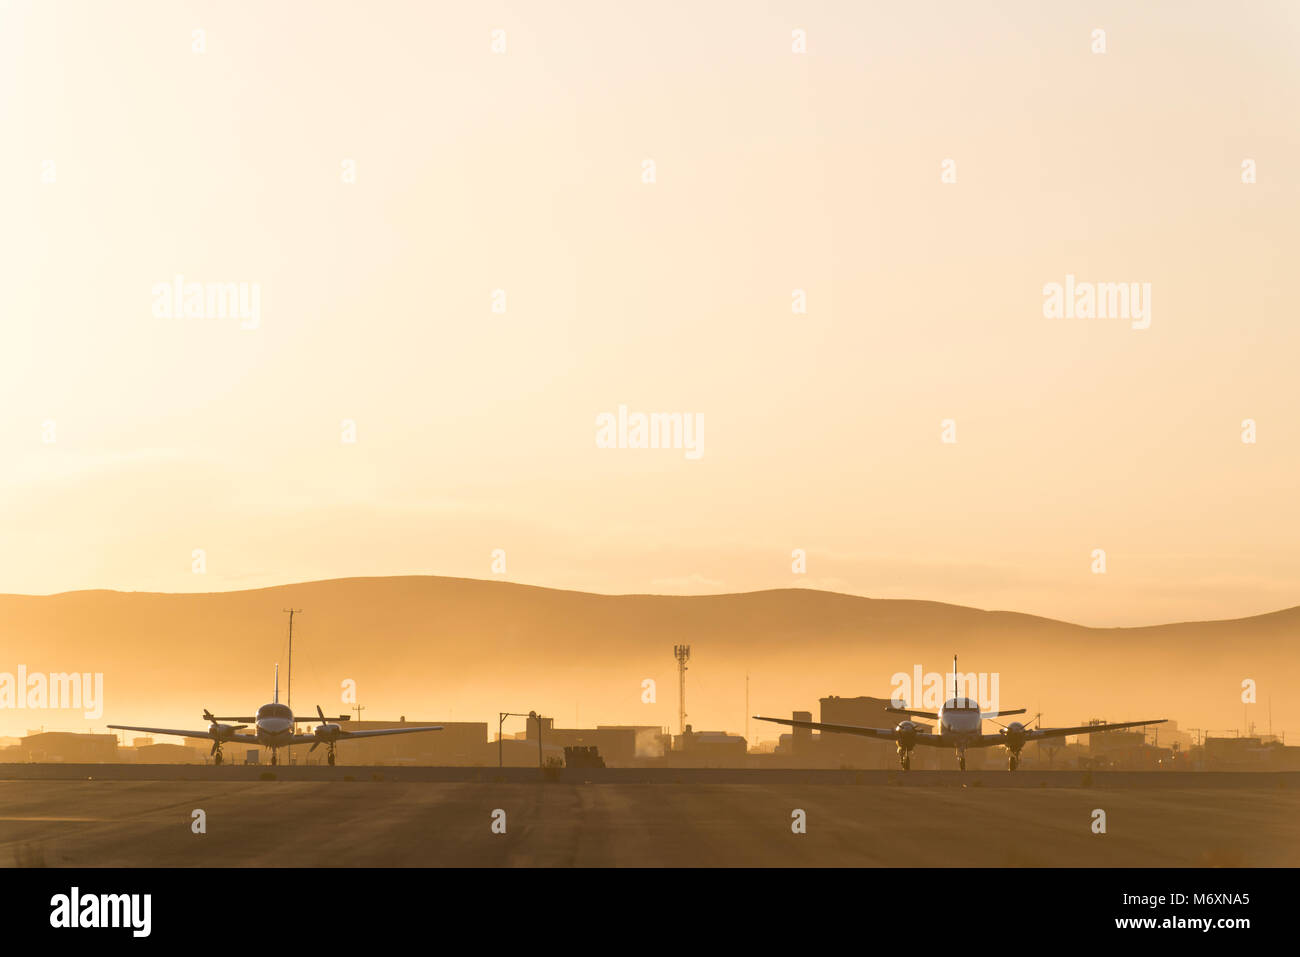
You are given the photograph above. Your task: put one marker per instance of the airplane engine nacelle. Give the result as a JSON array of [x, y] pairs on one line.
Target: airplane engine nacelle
[[221, 730], [1015, 735], [906, 732], [327, 731]]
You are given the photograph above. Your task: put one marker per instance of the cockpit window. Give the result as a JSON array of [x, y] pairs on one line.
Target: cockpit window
[[274, 711], [961, 704]]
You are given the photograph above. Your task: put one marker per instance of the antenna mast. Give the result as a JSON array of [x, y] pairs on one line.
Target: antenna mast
[[291, 612], [683, 654]]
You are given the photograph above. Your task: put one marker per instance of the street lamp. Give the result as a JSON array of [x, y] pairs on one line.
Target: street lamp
[[501, 720]]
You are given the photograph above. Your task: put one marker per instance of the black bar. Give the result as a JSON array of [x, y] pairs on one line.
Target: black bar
[[973, 905]]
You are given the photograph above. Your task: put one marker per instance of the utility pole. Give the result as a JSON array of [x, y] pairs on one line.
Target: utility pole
[[358, 709], [289, 703], [683, 654]]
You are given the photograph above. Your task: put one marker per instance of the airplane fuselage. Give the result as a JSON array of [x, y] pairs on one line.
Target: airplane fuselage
[[960, 724], [275, 726]]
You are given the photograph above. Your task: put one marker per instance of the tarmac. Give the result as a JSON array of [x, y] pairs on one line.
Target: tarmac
[[129, 815]]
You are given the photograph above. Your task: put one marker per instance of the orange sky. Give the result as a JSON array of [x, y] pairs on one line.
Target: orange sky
[[775, 171]]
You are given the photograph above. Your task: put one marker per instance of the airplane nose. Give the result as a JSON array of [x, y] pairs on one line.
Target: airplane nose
[[275, 725]]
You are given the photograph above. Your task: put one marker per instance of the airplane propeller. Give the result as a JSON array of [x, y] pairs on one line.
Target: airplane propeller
[[1023, 727], [219, 730], [325, 732]]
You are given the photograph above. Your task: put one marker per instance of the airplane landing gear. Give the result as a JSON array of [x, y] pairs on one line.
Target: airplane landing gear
[[961, 760], [905, 759], [216, 755], [1013, 761], [329, 756], [274, 759]]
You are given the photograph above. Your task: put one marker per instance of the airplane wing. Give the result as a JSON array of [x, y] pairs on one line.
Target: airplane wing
[[247, 738], [349, 735], [933, 716], [998, 714], [883, 733], [1039, 733]]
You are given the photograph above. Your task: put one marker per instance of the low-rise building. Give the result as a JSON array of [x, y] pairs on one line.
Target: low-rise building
[[707, 749], [69, 747]]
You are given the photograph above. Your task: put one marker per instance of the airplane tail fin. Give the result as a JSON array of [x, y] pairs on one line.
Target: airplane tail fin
[[277, 684], [954, 676]]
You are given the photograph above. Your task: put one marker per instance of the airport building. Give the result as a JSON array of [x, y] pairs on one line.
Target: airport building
[[1127, 750], [163, 753], [652, 741], [458, 744], [853, 751], [1253, 753], [617, 745], [516, 751], [707, 749], [65, 747]]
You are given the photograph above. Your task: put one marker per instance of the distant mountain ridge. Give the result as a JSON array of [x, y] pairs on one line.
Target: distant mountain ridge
[[425, 646]]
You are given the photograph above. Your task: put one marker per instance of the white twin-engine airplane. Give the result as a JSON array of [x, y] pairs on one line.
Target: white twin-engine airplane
[[275, 729], [960, 727]]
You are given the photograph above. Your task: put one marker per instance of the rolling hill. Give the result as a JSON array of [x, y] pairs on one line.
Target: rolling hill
[[464, 649]]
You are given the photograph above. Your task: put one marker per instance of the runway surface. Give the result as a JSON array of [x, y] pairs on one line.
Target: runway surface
[[333, 823]]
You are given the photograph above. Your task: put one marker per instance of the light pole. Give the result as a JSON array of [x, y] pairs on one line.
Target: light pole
[[501, 720]]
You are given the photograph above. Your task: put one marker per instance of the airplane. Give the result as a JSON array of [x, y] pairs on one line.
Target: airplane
[[960, 727], [275, 729]]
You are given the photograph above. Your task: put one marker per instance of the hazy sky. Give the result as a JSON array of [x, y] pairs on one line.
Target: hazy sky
[[131, 440]]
